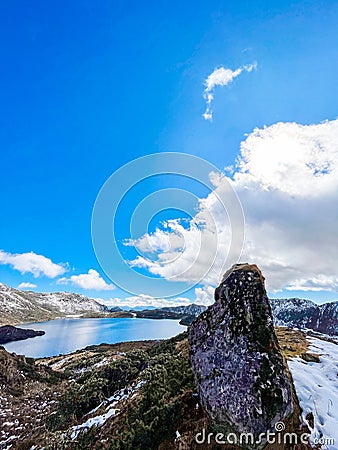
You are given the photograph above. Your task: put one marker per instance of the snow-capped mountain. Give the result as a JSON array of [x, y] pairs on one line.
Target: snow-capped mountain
[[26, 306], [305, 314]]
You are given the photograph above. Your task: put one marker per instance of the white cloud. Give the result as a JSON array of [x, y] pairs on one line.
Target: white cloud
[[27, 286], [221, 77], [317, 283], [32, 263], [297, 160], [90, 280], [200, 251], [146, 301], [205, 295], [287, 180]]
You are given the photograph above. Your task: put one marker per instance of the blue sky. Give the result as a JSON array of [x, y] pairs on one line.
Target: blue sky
[[88, 86]]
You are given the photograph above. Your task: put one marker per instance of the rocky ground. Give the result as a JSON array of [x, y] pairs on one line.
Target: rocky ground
[[137, 395]]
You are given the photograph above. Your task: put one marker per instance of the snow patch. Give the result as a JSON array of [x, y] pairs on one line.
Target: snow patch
[[111, 409], [316, 386]]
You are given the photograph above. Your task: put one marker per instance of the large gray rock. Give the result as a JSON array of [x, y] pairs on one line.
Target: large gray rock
[[236, 359]]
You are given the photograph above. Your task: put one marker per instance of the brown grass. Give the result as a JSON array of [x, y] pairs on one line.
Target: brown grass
[[292, 342]]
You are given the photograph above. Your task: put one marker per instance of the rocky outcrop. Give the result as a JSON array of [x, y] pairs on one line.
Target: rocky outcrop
[[236, 360], [8, 333], [304, 314]]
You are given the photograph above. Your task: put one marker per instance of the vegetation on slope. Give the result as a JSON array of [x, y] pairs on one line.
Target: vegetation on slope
[[160, 397]]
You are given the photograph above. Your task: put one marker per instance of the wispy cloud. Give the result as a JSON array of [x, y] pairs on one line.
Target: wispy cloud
[[91, 280], [27, 286], [221, 77], [32, 263]]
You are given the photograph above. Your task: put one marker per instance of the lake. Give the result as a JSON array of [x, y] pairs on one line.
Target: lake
[[68, 335]]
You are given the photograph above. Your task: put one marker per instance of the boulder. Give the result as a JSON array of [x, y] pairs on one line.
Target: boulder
[[236, 359]]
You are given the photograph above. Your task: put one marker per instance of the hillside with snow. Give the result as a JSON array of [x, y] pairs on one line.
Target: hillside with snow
[[305, 314], [26, 306]]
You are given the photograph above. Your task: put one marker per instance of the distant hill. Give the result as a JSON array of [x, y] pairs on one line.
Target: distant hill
[[191, 310], [186, 313], [305, 314], [26, 306], [115, 309]]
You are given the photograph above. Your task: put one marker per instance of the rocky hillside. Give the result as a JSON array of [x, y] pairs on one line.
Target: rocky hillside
[[135, 395], [304, 314], [25, 306], [230, 375]]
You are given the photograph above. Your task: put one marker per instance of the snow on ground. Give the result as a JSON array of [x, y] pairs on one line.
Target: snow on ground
[[101, 363], [316, 386], [7, 441], [111, 409], [93, 421]]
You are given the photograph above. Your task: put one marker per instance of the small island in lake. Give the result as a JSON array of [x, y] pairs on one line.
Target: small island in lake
[[8, 333]]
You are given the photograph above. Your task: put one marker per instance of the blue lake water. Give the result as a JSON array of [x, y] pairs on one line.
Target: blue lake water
[[68, 335]]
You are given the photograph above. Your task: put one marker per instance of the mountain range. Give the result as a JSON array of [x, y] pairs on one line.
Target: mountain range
[[305, 314], [18, 306]]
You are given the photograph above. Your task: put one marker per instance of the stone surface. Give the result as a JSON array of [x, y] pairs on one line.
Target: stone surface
[[235, 356]]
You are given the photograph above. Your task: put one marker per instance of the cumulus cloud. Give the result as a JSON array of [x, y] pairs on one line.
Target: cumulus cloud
[[32, 263], [199, 249], [27, 286], [221, 77], [287, 180], [90, 280], [205, 295]]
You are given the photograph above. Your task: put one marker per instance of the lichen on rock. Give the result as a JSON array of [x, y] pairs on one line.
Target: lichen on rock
[[235, 356]]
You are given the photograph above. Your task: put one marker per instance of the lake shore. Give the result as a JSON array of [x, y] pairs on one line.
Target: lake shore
[[66, 335]]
